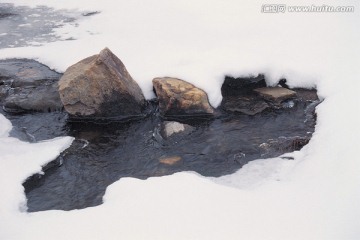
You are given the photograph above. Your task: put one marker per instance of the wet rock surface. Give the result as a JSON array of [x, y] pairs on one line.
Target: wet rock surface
[[171, 128], [100, 87], [27, 85], [275, 94], [41, 98], [26, 72], [250, 95], [178, 98]]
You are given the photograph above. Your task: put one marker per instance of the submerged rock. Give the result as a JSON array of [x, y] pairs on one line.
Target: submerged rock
[[275, 94], [283, 145], [170, 160], [178, 98], [100, 87], [249, 105]]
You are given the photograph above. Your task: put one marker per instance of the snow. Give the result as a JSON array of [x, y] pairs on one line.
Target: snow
[[314, 196], [19, 160]]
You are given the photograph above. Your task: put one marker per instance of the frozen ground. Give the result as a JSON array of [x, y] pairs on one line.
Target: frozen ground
[[315, 196]]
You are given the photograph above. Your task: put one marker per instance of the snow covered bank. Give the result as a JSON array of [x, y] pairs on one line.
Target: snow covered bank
[[315, 196], [202, 41], [19, 160]]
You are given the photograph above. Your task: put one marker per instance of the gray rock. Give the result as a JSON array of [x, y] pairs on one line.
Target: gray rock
[[27, 85], [306, 94], [170, 128], [40, 98], [100, 87], [275, 94], [249, 105], [180, 98], [26, 72]]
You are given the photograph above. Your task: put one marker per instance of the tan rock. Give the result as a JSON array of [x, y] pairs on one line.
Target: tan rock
[[170, 160], [180, 98], [100, 86], [275, 94]]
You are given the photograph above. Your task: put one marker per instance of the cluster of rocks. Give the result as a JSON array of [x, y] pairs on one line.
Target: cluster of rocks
[[100, 87]]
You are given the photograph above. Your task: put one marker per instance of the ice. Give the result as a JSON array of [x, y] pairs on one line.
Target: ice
[[314, 196]]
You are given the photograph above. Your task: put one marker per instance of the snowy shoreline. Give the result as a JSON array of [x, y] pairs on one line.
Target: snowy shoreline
[[313, 197]]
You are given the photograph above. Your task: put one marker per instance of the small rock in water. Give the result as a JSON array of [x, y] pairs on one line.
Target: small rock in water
[[178, 98], [275, 94], [100, 87], [170, 128], [288, 104], [249, 105], [170, 160]]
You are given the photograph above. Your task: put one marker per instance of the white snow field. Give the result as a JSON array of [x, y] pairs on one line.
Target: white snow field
[[316, 196]]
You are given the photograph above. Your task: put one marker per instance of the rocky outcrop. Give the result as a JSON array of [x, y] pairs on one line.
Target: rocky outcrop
[[100, 87], [241, 86], [27, 85], [178, 98], [239, 96]]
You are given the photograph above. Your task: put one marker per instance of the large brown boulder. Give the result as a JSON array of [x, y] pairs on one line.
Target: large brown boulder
[[100, 86], [178, 98]]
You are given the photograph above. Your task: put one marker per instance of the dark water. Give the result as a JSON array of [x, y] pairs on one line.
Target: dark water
[[104, 153]]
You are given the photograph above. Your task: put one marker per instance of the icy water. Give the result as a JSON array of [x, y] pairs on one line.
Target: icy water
[[24, 26], [104, 153]]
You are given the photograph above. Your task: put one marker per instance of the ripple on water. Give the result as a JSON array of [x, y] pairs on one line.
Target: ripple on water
[[104, 153]]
